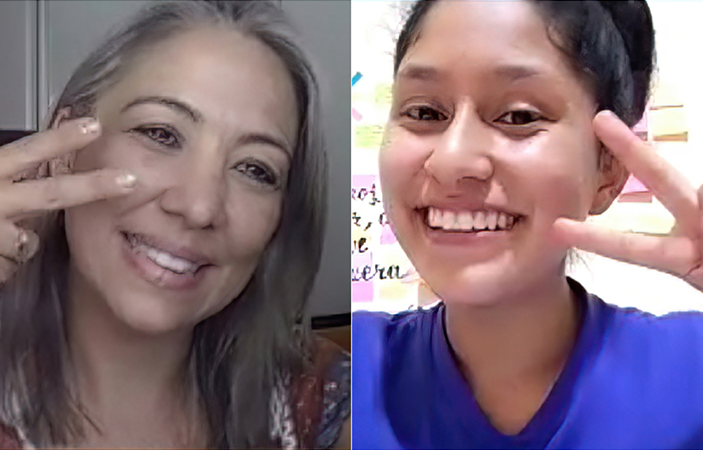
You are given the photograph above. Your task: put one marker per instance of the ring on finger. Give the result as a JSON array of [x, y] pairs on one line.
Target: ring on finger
[[22, 247]]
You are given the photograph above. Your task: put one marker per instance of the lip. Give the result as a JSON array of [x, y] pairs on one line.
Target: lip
[[179, 251], [157, 275]]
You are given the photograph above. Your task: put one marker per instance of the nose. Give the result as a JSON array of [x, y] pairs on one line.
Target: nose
[[463, 151], [197, 194]]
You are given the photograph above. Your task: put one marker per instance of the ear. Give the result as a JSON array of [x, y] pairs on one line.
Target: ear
[[612, 177], [64, 163]]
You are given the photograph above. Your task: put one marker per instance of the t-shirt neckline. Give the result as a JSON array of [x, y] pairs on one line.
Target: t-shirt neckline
[[457, 396]]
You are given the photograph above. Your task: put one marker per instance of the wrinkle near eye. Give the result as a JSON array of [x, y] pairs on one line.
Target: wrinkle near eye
[[259, 173]]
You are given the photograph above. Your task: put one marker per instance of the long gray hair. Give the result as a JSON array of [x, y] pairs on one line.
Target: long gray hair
[[241, 355]]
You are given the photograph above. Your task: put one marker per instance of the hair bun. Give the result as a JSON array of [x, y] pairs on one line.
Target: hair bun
[[633, 21]]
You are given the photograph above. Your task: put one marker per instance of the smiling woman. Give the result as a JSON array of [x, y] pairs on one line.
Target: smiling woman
[[509, 126], [164, 305]]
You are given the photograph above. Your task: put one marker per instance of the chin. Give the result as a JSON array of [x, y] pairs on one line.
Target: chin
[[151, 316], [475, 288], [483, 284]]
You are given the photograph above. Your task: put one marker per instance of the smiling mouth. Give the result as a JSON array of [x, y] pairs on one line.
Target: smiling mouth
[[160, 257], [468, 221]]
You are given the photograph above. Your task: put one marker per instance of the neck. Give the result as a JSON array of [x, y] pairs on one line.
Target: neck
[[515, 347], [120, 375]]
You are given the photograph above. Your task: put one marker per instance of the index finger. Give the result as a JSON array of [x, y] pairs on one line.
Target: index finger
[[671, 254], [66, 191], [670, 187], [32, 150]]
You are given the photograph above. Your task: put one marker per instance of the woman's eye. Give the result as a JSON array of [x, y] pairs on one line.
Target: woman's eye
[[259, 173], [519, 117], [161, 136], [424, 113]]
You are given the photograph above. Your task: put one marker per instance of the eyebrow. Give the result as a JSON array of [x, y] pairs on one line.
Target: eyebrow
[[420, 73], [170, 102], [428, 73], [266, 139], [516, 72], [196, 116]]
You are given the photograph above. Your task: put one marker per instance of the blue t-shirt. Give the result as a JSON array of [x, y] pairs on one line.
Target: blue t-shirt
[[633, 380]]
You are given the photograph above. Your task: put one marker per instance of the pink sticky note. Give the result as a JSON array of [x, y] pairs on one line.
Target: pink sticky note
[[362, 291], [387, 235], [356, 115], [363, 181], [362, 259], [641, 126], [634, 185]]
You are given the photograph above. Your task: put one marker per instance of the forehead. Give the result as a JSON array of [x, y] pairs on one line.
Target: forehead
[[220, 70], [502, 36]]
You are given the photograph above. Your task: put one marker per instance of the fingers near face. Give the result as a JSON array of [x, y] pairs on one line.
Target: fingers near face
[[38, 196], [31, 151], [671, 188], [675, 254], [207, 120]]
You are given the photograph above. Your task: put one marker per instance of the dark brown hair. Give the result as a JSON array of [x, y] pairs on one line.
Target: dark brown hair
[[609, 43]]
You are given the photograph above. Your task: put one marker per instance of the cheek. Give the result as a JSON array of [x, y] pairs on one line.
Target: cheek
[[402, 157], [118, 151], [557, 176], [112, 149], [252, 220], [89, 228]]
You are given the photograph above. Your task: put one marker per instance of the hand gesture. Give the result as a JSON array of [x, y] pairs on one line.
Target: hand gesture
[[678, 253], [24, 198]]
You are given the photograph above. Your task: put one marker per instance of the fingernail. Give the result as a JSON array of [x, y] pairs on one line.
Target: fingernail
[[609, 115], [91, 126], [127, 180]]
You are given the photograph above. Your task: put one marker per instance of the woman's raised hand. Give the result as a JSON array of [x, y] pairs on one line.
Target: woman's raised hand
[[20, 199], [680, 252]]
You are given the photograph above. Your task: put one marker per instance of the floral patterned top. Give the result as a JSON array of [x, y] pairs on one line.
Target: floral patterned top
[[332, 409]]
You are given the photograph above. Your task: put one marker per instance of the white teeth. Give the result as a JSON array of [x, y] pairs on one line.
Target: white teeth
[[172, 263], [448, 219], [152, 254], [491, 220], [433, 216], [466, 221], [469, 220], [502, 220], [165, 260], [479, 220]]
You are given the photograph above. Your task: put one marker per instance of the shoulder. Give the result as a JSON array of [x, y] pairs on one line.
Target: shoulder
[[383, 342], [336, 398], [376, 329], [623, 322], [327, 387], [647, 343], [639, 380], [632, 323]]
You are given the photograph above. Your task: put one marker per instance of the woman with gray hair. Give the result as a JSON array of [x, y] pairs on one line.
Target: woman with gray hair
[[158, 299]]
